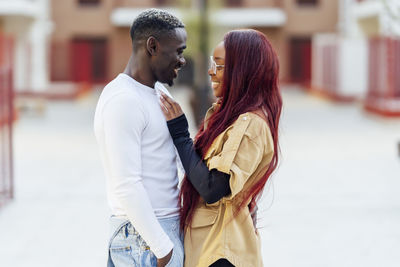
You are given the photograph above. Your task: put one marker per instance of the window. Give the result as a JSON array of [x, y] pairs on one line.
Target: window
[[165, 2], [307, 2], [234, 3], [89, 2]]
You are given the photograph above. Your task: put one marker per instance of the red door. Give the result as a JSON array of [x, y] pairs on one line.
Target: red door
[[300, 60], [89, 60], [99, 60]]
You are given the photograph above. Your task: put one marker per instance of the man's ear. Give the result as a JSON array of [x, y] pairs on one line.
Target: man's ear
[[152, 46]]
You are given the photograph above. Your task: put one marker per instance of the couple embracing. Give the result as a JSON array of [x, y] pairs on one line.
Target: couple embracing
[[142, 133]]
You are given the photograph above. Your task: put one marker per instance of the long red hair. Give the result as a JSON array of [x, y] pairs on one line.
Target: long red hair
[[250, 83]]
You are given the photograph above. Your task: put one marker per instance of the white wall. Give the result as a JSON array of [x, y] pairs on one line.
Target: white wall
[[18, 28], [352, 67], [347, 68], [30, 27], [39, 38]]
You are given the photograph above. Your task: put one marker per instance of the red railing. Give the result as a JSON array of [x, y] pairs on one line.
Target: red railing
[[6, 119], [325, 73], [329, 71], [384, 80]]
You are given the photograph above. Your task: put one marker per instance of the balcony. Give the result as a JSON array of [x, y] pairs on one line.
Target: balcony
[[375, 17], [122, 16], [273, 16], [248, 17], [367, 8], [24, 8]]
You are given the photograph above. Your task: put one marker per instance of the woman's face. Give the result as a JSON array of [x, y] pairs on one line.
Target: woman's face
[[216, 70]]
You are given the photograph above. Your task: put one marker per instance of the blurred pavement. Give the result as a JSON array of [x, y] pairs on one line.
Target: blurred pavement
[[335, 200]]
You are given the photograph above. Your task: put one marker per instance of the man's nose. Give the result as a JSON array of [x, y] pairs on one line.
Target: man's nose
[[210, 72]]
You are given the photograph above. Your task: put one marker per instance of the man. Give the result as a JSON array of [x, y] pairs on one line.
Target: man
[[136, 149]]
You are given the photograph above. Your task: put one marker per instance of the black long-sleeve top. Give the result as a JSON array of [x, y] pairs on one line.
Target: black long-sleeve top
[[212, 185]]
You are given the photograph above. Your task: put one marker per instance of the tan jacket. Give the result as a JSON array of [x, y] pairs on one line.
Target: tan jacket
[[244, 150]]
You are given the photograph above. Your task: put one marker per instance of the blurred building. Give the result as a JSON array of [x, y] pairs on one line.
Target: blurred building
[[90, 41], [27, 22], [361, 60], [6, 119], [24, 32], [288, 24], [379, 23]]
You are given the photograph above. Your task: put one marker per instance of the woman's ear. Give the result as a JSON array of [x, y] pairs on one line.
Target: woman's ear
[[152, 46]]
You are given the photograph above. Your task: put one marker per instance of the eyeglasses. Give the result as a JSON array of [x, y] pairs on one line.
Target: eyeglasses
[[214, 67]]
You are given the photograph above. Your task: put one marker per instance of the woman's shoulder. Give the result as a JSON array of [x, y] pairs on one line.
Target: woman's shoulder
[[255, 121], [253, 126], [248, 126]]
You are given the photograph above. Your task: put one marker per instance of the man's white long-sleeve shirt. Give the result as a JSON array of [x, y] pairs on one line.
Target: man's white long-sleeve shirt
[[139, 158]]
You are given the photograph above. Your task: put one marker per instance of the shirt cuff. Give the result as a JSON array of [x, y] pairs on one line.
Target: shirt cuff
[[178, 127]]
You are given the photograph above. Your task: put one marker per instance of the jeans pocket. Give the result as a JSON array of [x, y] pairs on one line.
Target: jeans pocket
[[171, 262], [121, 248], [131, 250], [122, 256], [147, 258], [142, 252]]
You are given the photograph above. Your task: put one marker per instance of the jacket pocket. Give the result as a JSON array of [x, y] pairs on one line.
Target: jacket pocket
[[204, 217]]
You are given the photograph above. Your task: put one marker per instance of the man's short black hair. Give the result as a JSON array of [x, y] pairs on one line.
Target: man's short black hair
[[153, 22]]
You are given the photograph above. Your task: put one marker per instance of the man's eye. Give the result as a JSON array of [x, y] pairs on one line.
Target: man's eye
[[220, 67]]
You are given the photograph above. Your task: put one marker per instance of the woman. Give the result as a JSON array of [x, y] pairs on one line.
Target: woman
[[234, 153]]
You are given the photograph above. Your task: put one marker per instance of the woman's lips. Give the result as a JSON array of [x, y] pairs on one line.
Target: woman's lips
[[214, 84]]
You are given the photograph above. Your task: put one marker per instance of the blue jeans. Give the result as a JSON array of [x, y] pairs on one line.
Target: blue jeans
[[127, 248]]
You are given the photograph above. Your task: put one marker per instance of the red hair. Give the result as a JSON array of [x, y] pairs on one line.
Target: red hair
[[250, 83]]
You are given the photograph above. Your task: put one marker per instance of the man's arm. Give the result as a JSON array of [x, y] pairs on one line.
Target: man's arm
[[124, 122]]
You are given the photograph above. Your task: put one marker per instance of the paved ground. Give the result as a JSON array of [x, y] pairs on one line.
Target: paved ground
[[336, 196], [335, 200]]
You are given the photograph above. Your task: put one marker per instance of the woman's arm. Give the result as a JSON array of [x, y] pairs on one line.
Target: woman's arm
[[212, 185]]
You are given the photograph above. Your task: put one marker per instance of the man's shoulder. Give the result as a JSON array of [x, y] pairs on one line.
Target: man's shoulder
[[119, 91], [118, 85]]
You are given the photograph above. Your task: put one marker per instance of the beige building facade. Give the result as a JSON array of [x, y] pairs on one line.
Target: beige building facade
[[27, 22], [90, 40]]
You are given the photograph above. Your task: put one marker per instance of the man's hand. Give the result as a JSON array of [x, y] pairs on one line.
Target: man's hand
[[170, 108], [164, 261]]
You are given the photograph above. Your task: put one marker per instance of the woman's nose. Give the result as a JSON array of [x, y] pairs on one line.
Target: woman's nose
[[182, 61]]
